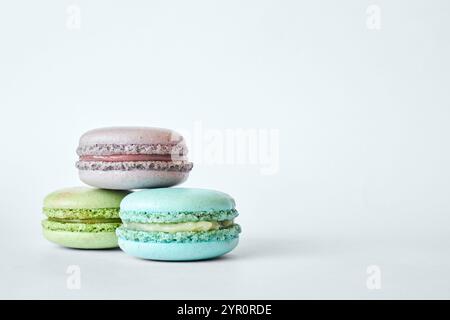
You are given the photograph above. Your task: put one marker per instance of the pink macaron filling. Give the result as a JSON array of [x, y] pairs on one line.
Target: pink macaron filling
[[130, 157]]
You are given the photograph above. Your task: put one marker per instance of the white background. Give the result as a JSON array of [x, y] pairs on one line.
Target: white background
[[362, 114]]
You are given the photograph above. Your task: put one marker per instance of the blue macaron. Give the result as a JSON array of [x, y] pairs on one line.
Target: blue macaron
[[178, 224]]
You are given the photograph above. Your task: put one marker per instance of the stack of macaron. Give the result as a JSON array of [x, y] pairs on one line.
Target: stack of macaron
[[159, 222]]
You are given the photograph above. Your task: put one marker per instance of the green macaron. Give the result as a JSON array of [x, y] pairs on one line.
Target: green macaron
[[83, 218]]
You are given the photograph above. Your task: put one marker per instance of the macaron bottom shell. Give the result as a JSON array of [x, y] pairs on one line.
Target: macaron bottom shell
[[175, 251], [133, 179], [82, 240]]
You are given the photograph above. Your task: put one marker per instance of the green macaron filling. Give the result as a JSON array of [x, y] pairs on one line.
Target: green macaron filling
[[82, 214], [89, 221]]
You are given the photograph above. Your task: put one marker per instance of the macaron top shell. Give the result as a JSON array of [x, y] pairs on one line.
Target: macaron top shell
[[84, 198], [177, 200], [122, 136]]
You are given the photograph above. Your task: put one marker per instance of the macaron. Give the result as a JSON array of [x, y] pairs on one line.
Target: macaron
[[82, 217], [178, 224], [126, 158]]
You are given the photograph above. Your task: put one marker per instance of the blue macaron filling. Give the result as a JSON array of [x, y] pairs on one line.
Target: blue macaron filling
[[224, 234]]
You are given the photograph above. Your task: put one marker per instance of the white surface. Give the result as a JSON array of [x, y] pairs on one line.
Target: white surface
[[314, 265], [362, 116]]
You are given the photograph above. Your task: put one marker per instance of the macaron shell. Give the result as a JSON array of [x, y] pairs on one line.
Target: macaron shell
[[82, 240], [177, 251], [135, 179], [84, 198], [174, 200], [130, 135]]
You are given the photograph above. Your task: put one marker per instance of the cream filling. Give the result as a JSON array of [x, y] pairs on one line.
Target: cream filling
[[179, 227]]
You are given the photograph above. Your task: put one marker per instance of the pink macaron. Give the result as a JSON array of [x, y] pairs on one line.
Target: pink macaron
[[124, 158]]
